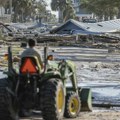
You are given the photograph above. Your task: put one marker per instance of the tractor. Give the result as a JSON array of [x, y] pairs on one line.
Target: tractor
[[33, 88]]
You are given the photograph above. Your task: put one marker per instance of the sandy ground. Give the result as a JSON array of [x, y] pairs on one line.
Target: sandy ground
[[94, 115], [98, 70], [101, 115]]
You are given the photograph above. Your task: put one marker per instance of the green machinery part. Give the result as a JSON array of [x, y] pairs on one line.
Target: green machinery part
[[84, 93], [86, 99]]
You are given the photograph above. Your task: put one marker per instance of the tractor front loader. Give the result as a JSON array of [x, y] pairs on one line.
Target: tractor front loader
[[45, 90]]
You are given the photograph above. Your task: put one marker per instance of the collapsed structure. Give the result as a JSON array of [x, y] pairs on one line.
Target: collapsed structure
[[76, 27]]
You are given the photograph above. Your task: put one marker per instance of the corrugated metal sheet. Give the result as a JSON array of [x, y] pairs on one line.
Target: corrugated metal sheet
[[99, 27], [106, 26]]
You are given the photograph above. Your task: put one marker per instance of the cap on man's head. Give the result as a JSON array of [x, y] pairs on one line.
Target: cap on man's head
[[31, 42]]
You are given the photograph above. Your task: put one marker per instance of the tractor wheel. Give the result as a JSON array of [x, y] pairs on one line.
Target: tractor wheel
[[53, 100], [7, 111], [73, 105]]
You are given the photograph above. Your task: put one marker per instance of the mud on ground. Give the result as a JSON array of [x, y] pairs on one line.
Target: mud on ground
[[101, 75]]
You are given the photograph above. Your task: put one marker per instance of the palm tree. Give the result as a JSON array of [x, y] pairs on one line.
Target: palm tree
[[41, 9], [2, 4], [101, 8], [63, 6], [59, 5], [27, 8], [68, 13], [20, 8]]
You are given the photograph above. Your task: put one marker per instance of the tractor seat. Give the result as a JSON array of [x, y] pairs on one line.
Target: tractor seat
[[31, 65]]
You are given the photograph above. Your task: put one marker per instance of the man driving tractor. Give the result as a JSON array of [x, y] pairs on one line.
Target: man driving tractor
[[31, 51]]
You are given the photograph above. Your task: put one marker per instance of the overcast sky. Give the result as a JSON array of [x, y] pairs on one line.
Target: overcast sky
[[48, 2]]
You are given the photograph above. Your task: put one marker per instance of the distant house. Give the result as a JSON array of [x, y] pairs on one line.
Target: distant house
[[76, 27], [67, 27], [71, 27], [80, 13]]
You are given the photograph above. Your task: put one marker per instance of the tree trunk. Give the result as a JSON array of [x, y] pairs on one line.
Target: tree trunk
[[40, 20], [100, 18], [2, 14], [6, 10], [60, 12], [22, 15], [111, 17], [10, 3], [118, 16], [15, 15], [105, 17]]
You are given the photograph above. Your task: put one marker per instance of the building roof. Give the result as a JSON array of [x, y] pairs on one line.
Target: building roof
[[99, 27]]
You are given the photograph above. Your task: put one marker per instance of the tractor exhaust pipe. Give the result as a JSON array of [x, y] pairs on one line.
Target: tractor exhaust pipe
[[10, 65], [45, 57]]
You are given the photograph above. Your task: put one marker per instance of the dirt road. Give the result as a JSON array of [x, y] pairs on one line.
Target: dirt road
[[94, 115], [99, 70]]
